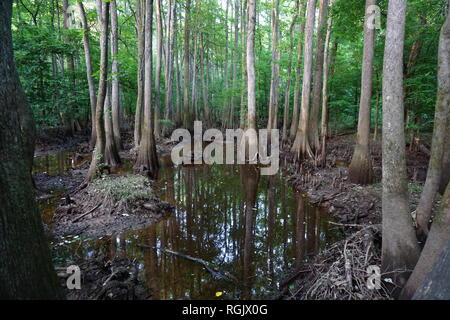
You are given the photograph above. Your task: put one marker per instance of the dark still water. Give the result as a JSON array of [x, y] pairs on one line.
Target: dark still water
[[253, 227]]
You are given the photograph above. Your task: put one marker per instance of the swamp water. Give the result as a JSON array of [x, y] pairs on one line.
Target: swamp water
[[254, 227]]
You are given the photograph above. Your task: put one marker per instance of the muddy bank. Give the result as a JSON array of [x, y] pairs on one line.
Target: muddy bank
[[339, 272], [328, 186], [106, 279], [110, 205]]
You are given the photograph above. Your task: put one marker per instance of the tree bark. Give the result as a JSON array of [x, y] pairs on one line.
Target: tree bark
[[159, 44], [140, 26], [89, 72], [147, 160], [436, 243], [112, 157], [67, 118], [187, 119], [301, 145], [251, 79], [295, 115], [273, 97], [400, 250], [440, 127], [318, 78], [361, 170], [204, 84], [98, 154], [115, 83], [26, 271], [287, 94], [243, 111], [326, 67]]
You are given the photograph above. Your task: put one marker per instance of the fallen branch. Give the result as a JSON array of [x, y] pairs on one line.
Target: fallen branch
[[85, 214], [217, 274]]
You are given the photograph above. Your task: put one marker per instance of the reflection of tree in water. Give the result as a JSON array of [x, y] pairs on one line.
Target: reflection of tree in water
[[249, 180], [249, 225]]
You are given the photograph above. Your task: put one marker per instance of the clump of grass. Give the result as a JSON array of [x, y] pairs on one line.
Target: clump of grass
[[120, 193], [131, 187]]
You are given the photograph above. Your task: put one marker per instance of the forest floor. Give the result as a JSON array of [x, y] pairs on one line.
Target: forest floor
[[338, 272]]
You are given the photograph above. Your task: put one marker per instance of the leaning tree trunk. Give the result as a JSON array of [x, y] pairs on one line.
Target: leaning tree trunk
[[360, 170], [115, 98], [440, 127], [294, 122], [98, 155], [301, 144], [400, 250], [318, 78], [138, 118], [147, 160], [26, 270], [436, 242], [89, 72]]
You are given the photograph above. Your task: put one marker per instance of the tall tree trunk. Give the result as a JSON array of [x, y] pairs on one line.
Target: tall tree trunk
[[273, 97], [67, 118], [178, 90], [360, 170], [235, 63], [301, 144], [26, 271], [318, 77], [112, 158], [326, 67], [115, 98], [89, 72], [159, 44], [295, 115], [287, 94], [400, 250], [440, 127], [147, 161], [251, 78], [140, 26], [204, 86], [98, 155], [242, 113], [226, 104], [187, 119], [170, 42]]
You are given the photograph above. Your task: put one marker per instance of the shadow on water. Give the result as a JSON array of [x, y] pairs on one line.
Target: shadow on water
[[252, 226]]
